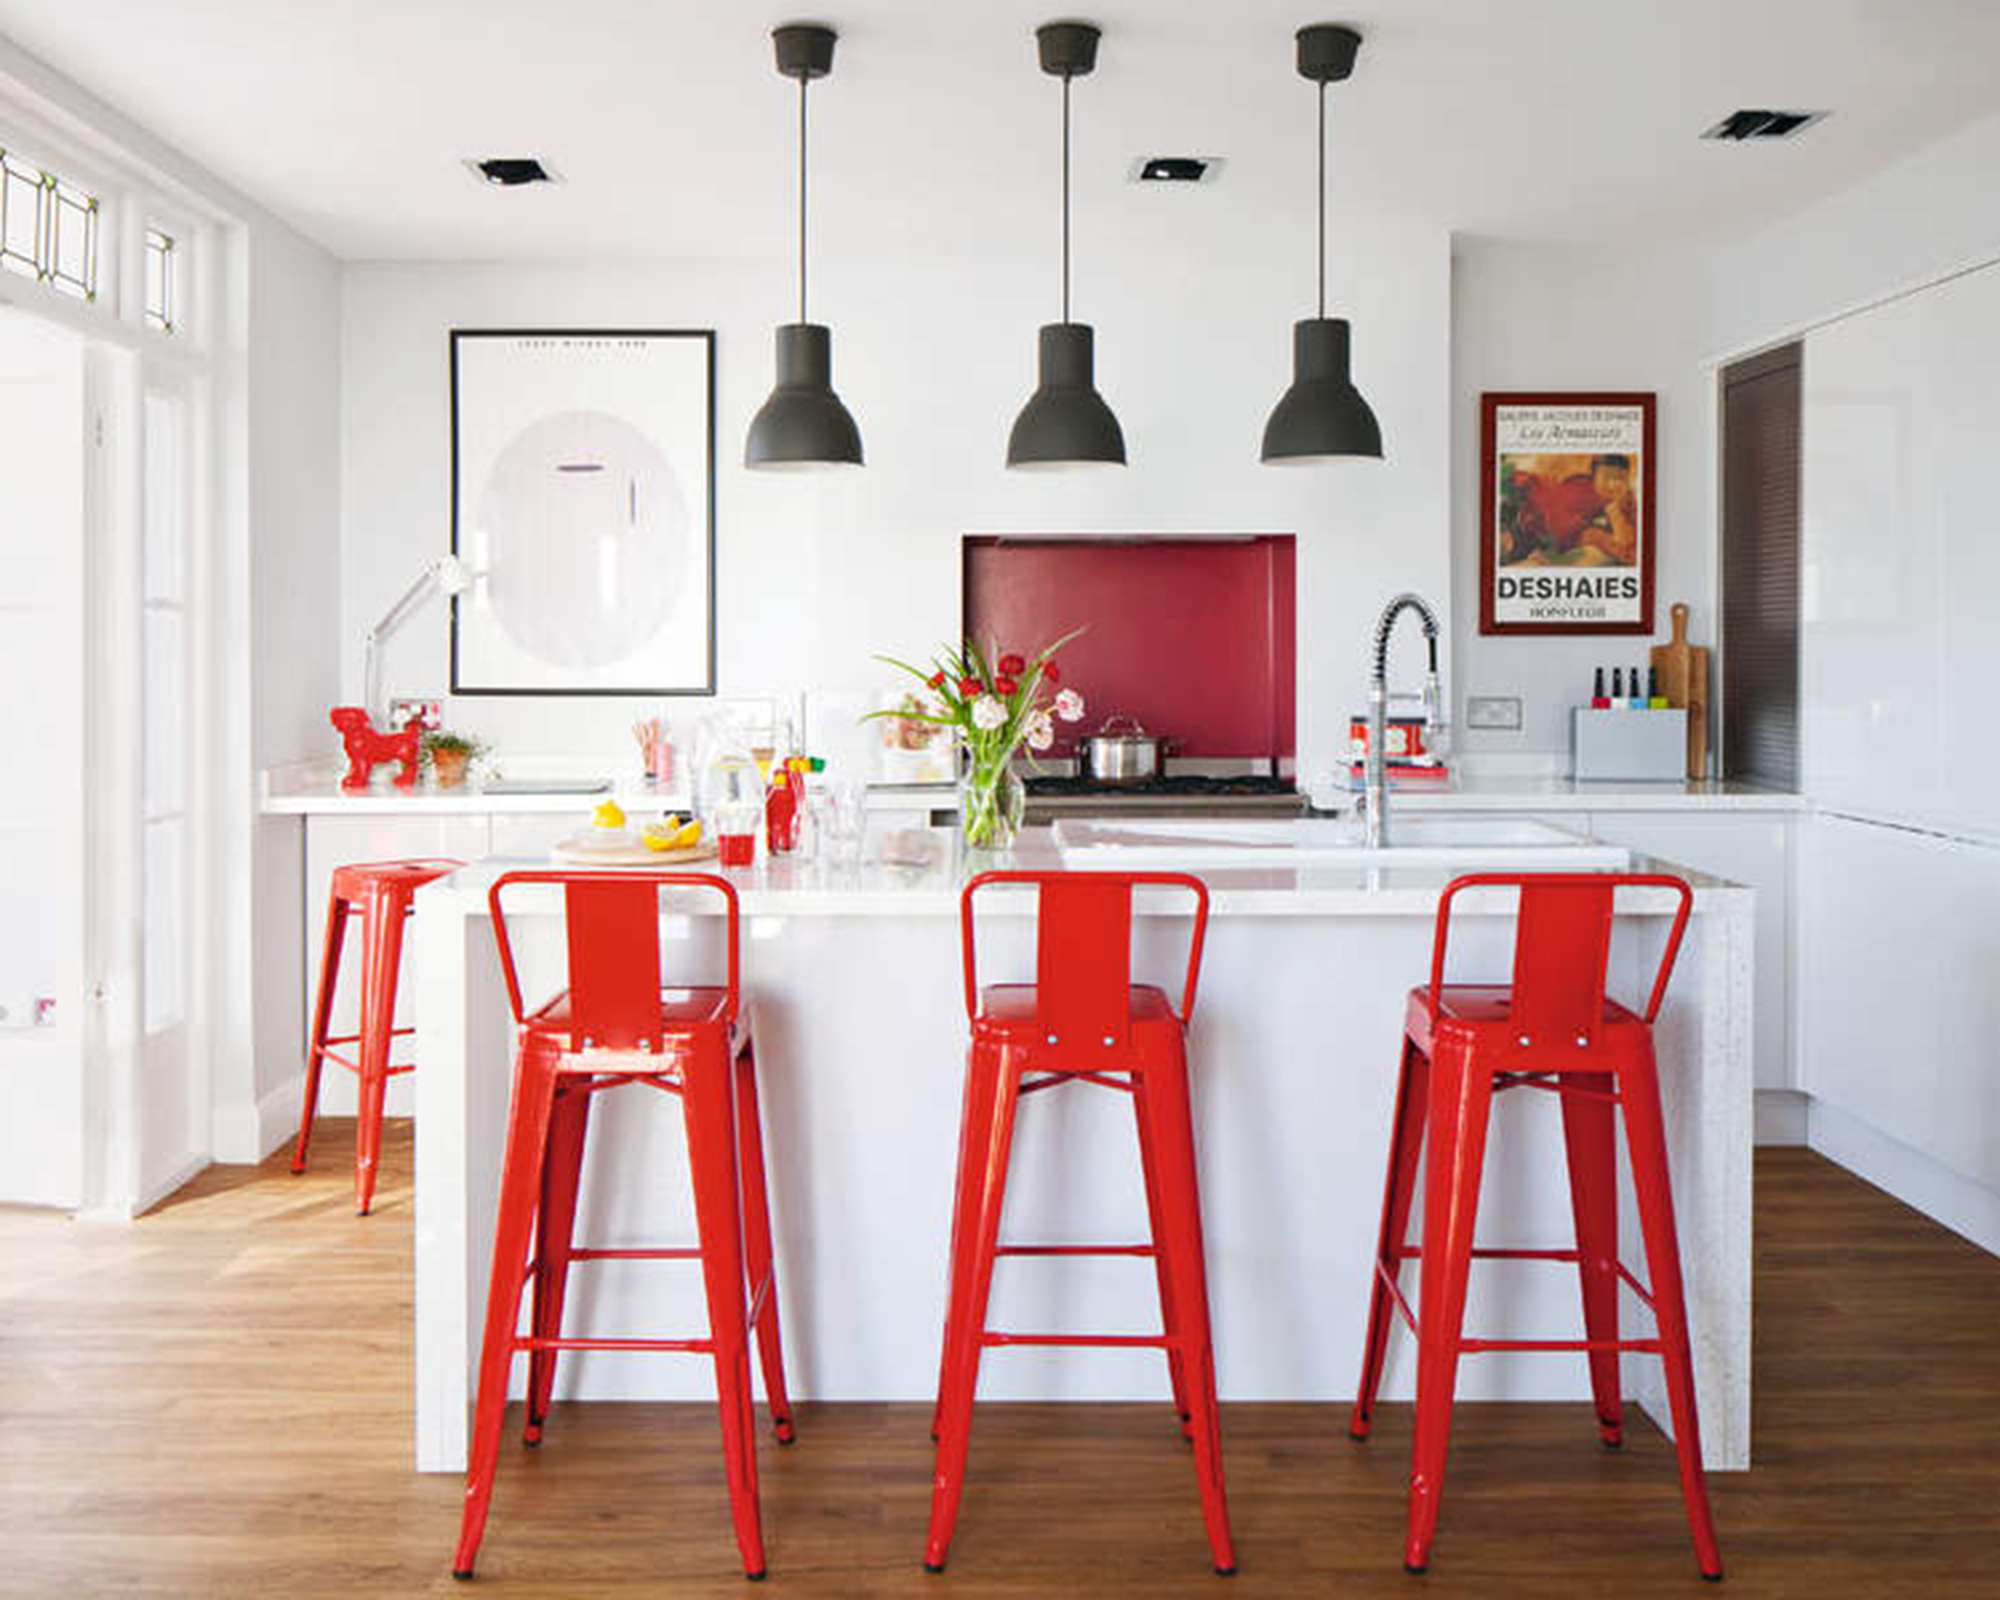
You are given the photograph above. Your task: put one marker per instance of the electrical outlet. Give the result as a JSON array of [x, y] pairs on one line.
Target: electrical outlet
[[427, 710], [1501, 712]]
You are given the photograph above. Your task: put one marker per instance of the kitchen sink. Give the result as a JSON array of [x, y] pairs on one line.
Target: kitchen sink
[[1470, 844]]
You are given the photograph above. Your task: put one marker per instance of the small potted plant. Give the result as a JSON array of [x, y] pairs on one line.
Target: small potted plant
[[447, 755]]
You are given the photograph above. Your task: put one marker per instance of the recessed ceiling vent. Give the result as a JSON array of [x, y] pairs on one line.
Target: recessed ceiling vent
[[1741, 125], [1176, 169], [511, 172]]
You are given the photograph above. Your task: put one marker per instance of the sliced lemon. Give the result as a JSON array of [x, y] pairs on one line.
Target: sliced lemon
[[689, 835], [608, 815]]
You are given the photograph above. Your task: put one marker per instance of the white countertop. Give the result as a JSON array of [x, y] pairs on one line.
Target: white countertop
[[927, 868], [1533, 792], [314, 786]]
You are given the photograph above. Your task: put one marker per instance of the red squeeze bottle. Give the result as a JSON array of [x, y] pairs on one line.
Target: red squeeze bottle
[[781, 812]]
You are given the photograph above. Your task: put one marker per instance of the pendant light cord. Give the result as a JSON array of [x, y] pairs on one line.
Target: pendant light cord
[[1065, 198], [802, 198], [1322, 200]]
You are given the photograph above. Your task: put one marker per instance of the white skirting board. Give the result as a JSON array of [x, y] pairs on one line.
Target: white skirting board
[[245, 1133], [1781, 1116], [1967, 1208]]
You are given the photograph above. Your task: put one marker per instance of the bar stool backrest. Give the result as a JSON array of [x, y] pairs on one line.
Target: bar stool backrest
[[1083, 947], [1562, 941], [612, 925]]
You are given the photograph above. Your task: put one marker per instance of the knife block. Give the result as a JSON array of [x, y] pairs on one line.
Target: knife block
[[1638, 746]]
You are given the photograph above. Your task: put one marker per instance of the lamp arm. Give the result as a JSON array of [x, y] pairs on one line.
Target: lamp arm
[[392, 619]]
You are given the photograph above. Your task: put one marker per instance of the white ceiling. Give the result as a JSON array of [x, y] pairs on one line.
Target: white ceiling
[[1564, 120]]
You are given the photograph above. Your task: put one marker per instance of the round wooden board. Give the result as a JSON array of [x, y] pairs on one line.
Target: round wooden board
[[635, 854]]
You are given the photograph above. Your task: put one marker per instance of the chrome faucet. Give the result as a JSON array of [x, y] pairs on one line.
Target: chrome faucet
[[1375, 787]]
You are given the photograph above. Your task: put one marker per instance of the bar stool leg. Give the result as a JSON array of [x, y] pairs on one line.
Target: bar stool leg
[[1646, 1134], [1170, 1136], [1461, 1097], [1170, 1323], [989, 1141], [322, 1023], [712, 1162], [757, 1242], [1406, 1144], [382, 944], [1590, 1131], [555, 1230], [520, 1186], [975, 1116]]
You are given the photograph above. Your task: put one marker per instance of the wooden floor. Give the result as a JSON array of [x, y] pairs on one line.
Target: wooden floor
[[216, 1401]]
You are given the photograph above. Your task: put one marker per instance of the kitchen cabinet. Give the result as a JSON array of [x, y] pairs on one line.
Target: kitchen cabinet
[[1898, 950]]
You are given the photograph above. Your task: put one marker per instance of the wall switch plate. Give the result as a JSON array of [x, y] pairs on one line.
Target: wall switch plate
[[1496, 711], [427, 710]]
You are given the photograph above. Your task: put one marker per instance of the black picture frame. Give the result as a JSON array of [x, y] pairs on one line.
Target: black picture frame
[[706, 686]]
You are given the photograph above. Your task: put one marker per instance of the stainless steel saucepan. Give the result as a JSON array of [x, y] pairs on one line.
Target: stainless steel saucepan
[[1120, 753]]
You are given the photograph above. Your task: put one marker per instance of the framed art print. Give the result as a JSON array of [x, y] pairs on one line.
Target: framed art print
[[1566, 513], [583, 501]]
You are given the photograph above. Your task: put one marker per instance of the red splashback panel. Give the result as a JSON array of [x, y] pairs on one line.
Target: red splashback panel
[[1195, 638]]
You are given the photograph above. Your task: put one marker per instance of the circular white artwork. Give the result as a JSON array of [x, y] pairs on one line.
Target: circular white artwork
[[587, 538]]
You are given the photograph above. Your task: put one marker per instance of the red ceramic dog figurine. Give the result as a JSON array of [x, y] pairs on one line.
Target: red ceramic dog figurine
[[367, 749]]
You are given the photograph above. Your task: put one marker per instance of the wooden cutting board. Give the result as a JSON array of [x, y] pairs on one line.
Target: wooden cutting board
[[1683, 670], [582, 851]]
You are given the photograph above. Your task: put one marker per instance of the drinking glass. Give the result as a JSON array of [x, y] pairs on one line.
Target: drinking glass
[[842, 813]]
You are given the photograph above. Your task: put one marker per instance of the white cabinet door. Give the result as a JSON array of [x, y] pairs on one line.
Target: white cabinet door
[[42, 789], [1900, 551], [335, 841], [527, 836], [1747, 847], [1899, 951]]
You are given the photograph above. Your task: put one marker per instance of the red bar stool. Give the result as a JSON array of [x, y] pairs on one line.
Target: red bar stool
[[381, 893], [615, 1025], [1082, 1021], [1552, 1028]]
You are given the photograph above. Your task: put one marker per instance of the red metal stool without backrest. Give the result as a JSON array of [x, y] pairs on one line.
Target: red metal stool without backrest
[[615, 1024], [1083, 1020], [381, 893], [1552, 1028]]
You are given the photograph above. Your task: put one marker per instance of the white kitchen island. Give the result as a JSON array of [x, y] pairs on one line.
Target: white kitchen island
[[852, 979]]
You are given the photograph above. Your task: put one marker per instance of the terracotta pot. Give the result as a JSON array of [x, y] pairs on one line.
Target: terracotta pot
[[448, 767]]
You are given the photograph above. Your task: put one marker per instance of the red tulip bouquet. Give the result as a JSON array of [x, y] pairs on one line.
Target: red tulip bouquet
[[998, 702]]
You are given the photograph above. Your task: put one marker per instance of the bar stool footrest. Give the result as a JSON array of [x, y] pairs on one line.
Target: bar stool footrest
[[1101, 1341]]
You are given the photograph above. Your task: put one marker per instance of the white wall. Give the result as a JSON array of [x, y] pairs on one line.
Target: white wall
[[934, 356], [1529, 317], [1932, 213], [294, 510]]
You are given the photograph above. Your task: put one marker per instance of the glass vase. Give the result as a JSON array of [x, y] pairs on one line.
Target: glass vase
[[991, 799]]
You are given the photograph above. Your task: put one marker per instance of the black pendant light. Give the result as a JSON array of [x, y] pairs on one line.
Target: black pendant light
[[803, 424], [1066, 422], [1322, 415]]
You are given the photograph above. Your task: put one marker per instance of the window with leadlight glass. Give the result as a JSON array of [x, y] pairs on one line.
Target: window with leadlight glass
[[48, 228], [161, 312]]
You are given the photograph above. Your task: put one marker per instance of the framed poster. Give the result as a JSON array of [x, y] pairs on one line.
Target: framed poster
[[1566, 513], [583, 501]]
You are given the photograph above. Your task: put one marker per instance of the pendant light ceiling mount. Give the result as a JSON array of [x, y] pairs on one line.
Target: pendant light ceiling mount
[[805, 50], [1066, 422], [1322, 416], [1068, 49], [1327, 51], [803, 423]]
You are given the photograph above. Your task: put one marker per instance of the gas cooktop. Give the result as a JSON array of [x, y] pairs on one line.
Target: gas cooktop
[[1181, 793], [1175, 783]]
